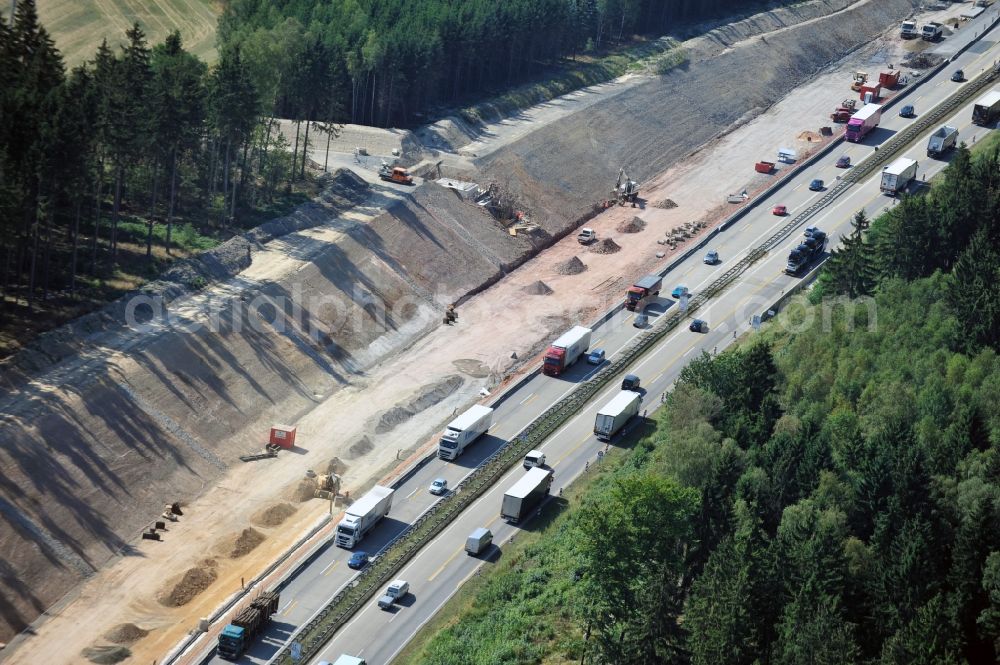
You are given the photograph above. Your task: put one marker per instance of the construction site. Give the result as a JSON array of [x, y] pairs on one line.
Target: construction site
[[164, 451]]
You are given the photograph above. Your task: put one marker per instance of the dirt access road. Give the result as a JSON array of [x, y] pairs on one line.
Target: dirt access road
[[505, 321]]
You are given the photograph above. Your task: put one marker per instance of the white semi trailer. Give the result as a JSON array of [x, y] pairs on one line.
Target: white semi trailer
[[363, 515], [463, 430], [616, 413]]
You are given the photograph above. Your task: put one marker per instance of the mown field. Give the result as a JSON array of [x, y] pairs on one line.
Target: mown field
[[78, 26]]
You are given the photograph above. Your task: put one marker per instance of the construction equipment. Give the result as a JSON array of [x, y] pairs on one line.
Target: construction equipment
[[450, 315], [763, 167], [625, 190], [248, 624], [269, 452], [396, 174], [859, 79]]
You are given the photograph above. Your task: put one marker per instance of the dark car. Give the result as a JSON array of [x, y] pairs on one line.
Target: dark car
[[907, 111], [844, 162], [358, 560], [641, 321], [630, 382], [698, 326], [958, 76], [816, 185]]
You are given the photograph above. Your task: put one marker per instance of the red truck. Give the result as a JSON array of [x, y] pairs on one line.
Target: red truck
[[863, 122], [889, 79], [564, 351], [645, 288], [874, 88]]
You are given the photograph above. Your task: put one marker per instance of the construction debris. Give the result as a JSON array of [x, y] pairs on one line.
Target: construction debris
[[633, 225], [665, 204]]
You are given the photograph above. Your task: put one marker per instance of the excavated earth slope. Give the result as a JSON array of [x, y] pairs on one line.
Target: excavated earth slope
[[101, 425]]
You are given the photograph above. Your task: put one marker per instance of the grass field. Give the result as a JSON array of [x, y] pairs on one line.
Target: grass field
[[78, 26]]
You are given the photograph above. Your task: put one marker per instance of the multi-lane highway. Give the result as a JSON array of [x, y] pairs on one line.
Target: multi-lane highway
[[441, 567]]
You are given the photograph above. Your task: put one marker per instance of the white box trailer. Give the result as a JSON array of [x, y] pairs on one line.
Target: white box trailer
[[986, 108], [898, 175], [363, 514], [526, 493], [463, 430], [616, 413]]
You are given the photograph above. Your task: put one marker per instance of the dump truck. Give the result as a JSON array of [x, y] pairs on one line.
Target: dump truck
[[898, 175], [564, 351], [858, 80], [987, 109], [613, 416], [810, 248], [363, 515], [236, 638], [941, 141], [873, 88], [395, 174], [908, 30], [889, 79], [526, 493], [931, 32], [763, 167], [463, 430], [863, 122], [645, 288]]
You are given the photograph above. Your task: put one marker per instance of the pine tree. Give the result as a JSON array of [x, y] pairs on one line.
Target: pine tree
[[852, 267]]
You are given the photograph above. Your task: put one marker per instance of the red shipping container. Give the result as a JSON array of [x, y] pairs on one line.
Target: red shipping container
[[283, 436]]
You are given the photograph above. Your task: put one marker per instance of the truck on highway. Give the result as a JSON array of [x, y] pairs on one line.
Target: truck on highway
[[645, 288], [898, 175], [526, 493], [235, 638], [463, 430], [987, 108], [397, 589], [344, 660], [908, 30], [810, 248], [931, 32], [613, 416], [863, 122], [363, 514], [941, 141], [564, 351]]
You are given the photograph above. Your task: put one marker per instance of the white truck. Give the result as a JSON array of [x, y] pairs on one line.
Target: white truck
[[363, 514], [931, 32], [463, 430], [396, 590], [898, 175], [909, 30], [344, 660], [613, 416], [526, 493], [941, 141]]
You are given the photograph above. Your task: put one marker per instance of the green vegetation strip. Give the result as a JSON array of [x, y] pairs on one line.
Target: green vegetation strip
[[322, 627]]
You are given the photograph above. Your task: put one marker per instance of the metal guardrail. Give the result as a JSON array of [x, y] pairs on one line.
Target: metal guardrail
[[316, 633]]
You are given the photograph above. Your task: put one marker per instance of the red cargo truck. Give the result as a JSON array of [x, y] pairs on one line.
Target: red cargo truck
[[564, 351], [645, 288]]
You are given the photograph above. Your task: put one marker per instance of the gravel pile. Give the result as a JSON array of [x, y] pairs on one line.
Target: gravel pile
[[193, 582], [573, 266], [538, 288], [605, 246], [275, 515], [922, 61], [665, 204], [125, 633], [633, 225]]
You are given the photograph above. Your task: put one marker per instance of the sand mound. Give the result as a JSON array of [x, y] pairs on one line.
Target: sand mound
[[666, 204], [106, 655], [538, 288], [337, 466], [305, 490], [245, 543], [125, 633], [274, 515], [193, 582], [633, 225], [605, 246], [573, 266], [811, 137]]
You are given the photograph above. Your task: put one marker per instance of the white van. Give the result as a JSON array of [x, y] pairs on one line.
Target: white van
[[478, 541], [534, 458]]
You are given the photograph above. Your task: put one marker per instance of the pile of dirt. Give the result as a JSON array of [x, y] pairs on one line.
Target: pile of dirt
[[665, 204], [306, 490], [811, 137], [426, 398], [573, 266], [245, 543], [605, 246], [274, 515], [922, 61], [360, 447], [336, 466], [193, 582], [538, 288], [106, 655], [633, 225], [125, 633]]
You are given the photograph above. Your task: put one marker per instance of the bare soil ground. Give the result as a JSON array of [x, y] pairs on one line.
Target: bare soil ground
[[377, 278]]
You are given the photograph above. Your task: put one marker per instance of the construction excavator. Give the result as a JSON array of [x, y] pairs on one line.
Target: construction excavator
[[625, 190]]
